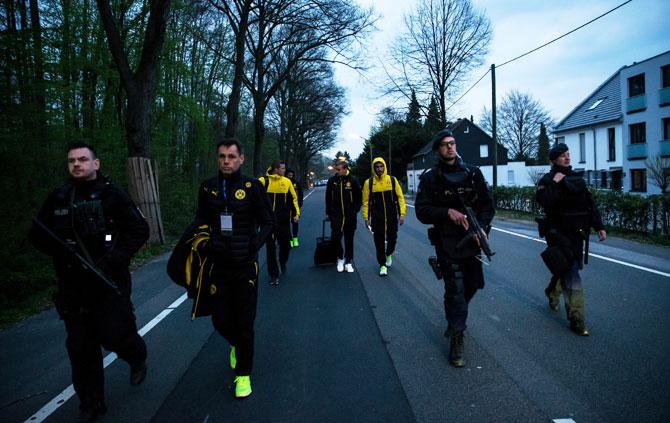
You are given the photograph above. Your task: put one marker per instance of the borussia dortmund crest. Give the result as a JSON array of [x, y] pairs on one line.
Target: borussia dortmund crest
[[248, 185], [240, 194]]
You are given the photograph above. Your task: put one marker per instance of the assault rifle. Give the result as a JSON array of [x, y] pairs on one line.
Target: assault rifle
[[474, 229], [84, 262]]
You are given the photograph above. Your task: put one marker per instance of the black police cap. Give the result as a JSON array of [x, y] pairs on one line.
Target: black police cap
[[557, 150], [439, 136]]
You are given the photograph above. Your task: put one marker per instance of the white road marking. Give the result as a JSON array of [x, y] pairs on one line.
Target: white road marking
[[68, 392], [623, 263], [564, 421]]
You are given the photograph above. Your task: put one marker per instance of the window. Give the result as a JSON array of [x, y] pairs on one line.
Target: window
[[483, 150], [582, 147], [559, 140], [510, 178], [636, 85], [665, 76], [638, 180], [638, 133], [596, 103], [466, 130], [603, 179], [611, 144], [666, 129]]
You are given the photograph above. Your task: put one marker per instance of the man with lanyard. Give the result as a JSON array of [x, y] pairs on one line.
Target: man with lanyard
[[285, 206], [443, 192], [383, 210], [240, 219], [99, 222], [343, 201], [290, 174]]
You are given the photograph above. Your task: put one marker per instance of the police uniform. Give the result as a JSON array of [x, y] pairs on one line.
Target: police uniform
[[239, 214], [383, 201], [99, 220], [570, 213], [343, 201], [284, 201]]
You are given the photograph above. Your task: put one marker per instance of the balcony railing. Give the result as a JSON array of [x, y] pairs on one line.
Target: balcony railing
[[665, 148], [664, 96], [637, 103], [637, 151]]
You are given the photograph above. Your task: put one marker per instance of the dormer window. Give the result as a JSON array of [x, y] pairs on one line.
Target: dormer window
[[596, 103]]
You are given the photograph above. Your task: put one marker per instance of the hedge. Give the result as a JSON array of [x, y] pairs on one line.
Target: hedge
[[637, 213]]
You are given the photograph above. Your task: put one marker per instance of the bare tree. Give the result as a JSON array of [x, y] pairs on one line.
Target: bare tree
[[520, 118], [535, 174], [140, 88], [659, 172], [443, 41]]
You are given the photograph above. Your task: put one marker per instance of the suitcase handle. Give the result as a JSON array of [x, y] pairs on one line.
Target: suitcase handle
[[323, 228]]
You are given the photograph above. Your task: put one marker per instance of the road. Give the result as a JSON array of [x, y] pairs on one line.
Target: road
[[355, 347]]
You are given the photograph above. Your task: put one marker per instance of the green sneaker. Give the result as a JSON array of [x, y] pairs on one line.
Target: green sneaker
[[295, 242], [233, 359], [242, 386], [389, 261]]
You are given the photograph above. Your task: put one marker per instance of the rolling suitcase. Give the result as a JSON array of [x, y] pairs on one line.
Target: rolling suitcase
[[325, 252]]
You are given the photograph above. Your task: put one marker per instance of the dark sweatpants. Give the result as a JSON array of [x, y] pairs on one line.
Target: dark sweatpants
[[281, 236], [391, 238], [234, 312], [111, 326]]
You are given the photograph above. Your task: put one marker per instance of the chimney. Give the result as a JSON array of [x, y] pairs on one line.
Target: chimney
[[472, 119]]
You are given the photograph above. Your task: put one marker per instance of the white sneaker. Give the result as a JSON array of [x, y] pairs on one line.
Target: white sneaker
[[383, 271], [349, 268], [340, 265], [389, 261]]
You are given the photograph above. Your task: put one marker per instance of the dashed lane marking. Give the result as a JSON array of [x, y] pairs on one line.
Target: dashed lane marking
[[68, 392]]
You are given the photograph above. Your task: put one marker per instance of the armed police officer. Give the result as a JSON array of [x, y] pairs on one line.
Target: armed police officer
[[295, 225], [239, 215], [343, 201], [570, 214], [91, 229], [443, 193]]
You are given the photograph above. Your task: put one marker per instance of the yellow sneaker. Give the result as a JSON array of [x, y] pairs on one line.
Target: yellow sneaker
[[242, 386], [233, 359]]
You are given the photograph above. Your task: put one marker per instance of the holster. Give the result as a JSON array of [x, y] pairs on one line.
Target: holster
[[557, 259]]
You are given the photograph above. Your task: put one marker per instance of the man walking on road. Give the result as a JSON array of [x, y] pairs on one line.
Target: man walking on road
[[239, 215], [285, 206], [383, 210], [570, 215], [343, 201], [443, 192], [297, 187], [98, 220]]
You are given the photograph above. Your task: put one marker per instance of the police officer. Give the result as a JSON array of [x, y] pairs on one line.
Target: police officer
[[570, 213], [383, 210], [297, 187], [443, 191], [284, 202], [99, 221], [240, 218], [343, 201]]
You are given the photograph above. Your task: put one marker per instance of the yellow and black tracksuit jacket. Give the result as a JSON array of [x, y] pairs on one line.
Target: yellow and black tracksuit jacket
[[343, 201], [383, 201], [282, 196]]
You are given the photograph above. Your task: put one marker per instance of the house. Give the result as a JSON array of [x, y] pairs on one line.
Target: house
[[625, 121], [474, 146]]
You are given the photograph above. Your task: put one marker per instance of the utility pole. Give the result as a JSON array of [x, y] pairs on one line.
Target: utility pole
[[493, 126], [390, 165]]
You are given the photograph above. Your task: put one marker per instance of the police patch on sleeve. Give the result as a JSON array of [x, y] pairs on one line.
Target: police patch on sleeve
[[240, 194]]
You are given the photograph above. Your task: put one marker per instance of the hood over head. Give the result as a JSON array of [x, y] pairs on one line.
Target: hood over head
[[379, 160]]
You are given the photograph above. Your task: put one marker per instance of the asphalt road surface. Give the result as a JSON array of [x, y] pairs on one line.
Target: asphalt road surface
[[340, 347]]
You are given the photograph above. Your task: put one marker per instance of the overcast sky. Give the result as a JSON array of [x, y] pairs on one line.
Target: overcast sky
[[559, 76]]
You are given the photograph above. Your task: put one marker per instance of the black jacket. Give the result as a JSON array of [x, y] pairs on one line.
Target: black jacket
[[100, 216], [343, 200], [445, 187], [569, 208], [253, 219]]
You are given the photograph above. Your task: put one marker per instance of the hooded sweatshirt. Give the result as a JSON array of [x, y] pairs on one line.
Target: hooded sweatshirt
[[382, 203], [282, 196]]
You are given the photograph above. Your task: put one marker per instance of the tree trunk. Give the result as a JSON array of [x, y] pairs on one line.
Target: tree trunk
[[38, 75], [232, 108], [259, 135], [143, 185]]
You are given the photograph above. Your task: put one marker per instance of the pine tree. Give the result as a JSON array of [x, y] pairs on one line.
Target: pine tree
[[433, 123], [543, 145], [413, 118]]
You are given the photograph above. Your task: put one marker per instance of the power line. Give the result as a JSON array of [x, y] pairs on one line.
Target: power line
[[471, 87], [566, 34]]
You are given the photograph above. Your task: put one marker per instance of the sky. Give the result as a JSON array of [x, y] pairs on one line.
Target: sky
[[559, 76]]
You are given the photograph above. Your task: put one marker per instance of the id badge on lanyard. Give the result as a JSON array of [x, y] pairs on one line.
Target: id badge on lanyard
[[226, 220]]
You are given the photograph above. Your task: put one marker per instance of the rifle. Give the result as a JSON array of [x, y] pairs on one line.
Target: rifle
[[85, 263], [475, 229]]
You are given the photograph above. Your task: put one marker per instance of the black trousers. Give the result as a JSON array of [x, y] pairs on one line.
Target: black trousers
[[390, 237], [462, 279], [294, 229], [234, 312], [348, 251], [282, 237], [111, 326]]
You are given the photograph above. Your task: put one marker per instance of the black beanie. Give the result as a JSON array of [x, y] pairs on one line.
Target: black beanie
[[557, 150], [439, 136]]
